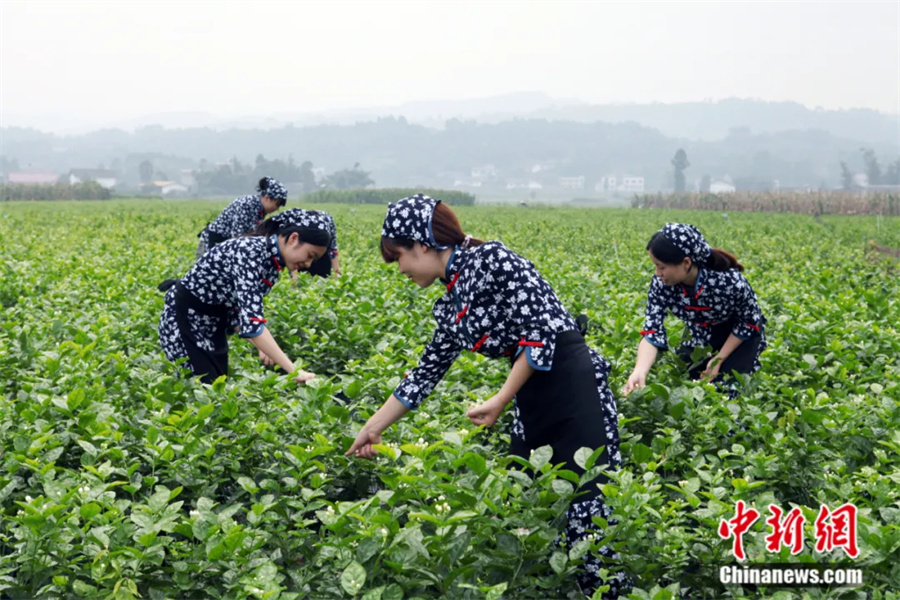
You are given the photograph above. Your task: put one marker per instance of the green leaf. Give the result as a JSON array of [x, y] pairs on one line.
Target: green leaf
[[159, 499], [353, 578], [562, 487], [230, 409], [495, 591], [475, 462], [386, 450], [88, 447], [812, 417], [581, 457], [374, 594], [216, 552], [83, 589], [641, 453], [75, 398], [540, 457], [366, 549], [558, 562], [392, 592], [248, 484], [89, 511], [205, 411]]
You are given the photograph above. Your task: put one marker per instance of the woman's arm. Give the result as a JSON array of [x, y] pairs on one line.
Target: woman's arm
[[389, 413], [646, 357], [266, 344], [488, 413]]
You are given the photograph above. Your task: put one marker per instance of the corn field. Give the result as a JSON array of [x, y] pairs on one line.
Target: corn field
[[810, 203]]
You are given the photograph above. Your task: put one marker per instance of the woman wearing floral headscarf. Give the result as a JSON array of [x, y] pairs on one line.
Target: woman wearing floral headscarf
[[705, 288], [243, 214], [498, 305]]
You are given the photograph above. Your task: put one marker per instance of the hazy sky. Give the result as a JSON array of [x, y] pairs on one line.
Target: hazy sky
[[98, 61]]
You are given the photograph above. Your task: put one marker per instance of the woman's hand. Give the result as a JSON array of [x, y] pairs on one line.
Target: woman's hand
[[712, 369], [362, 445], [637, 380], [264, 358], [488, 413], [302, 377]]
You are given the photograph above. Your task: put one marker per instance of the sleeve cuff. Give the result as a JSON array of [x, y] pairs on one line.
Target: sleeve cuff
[[404, 401], [648, 335], [254, 334], [745, 332], [530, 358]]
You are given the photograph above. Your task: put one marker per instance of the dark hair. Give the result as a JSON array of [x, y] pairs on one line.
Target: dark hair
[[445, 227], [263, 188], [665, 251], [275, 224], [310, 235]]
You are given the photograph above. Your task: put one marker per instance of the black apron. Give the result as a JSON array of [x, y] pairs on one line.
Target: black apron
[[209, 365], [563, 409], [741, 360], [212, 238]]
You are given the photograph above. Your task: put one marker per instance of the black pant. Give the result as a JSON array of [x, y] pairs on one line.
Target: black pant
[[208, 365]]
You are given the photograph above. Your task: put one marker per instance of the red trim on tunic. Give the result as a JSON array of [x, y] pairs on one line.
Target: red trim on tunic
[[480, 343], [522, 342]]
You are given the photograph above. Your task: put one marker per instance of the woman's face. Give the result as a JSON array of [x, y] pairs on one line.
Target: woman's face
[[671, 274], [298, 255], [269, 205], [420, 263]]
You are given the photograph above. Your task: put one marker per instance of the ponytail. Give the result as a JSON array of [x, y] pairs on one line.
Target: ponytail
[[720, 260], [266, 228]]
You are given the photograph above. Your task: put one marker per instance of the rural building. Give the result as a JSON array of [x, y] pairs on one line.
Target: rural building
[[33, 178], [104, 177]]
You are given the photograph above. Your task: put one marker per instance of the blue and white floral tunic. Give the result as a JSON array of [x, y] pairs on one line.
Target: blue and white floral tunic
[[497, 304], [237, 274], [238, 218], [718, 297]]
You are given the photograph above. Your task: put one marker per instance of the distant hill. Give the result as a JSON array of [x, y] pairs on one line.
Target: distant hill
[[687, 120], [714, 120], [399, 153]]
